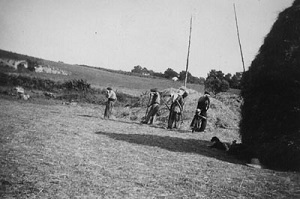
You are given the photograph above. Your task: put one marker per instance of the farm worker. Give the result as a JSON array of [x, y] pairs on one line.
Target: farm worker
[[203, 105], [196, 121], [111, 98], [176, 110], [173, 97], [154, 106]]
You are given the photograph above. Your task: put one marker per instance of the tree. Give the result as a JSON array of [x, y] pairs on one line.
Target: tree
[[194, 80], [182, 75], [145, 70], [215, 82], [228, 77], [137, 69], [170, 73], [224, 85], [201, 80], [190, 78], [157, 74], [151, 72], [217, 74], [236, 80]]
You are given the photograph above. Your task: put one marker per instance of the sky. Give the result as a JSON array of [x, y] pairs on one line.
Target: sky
[[121, 34]]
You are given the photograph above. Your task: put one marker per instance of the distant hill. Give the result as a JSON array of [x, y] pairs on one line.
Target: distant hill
[[100, 77]]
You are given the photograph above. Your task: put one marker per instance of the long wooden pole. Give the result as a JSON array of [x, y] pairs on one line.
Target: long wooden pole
[[238, 35], [188, 55]]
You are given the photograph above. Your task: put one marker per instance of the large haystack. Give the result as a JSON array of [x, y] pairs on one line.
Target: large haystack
[[271, 93]]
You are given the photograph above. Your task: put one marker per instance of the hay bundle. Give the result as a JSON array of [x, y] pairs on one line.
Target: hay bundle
[[271, 93]]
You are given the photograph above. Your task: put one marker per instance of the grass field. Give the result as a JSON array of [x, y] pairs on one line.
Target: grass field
[[101, 78], [63, 151]]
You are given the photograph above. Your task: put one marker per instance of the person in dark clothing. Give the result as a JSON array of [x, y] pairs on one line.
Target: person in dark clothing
[[111, 98], [154, 106], [197, 120], [203, 105], [176, 110]]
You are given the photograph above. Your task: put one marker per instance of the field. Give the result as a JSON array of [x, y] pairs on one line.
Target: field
[[51, 150]]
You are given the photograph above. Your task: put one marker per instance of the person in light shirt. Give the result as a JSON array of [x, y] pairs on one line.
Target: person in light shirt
[[111, 99], [176, 109]]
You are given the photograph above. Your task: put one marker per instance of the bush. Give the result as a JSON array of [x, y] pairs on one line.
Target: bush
[[78, 85], [72, 90], [28, 82], [92, 97]]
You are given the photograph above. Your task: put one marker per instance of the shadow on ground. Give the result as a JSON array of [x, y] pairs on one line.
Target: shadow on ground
[[89, 116], [174, 144]]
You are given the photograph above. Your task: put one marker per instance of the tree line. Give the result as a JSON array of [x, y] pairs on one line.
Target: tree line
[[216, 81]]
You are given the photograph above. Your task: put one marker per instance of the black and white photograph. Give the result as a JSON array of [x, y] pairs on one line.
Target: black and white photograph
[[150, 99]]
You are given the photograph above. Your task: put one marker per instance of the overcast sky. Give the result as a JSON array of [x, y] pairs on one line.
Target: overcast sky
[[120, 34]]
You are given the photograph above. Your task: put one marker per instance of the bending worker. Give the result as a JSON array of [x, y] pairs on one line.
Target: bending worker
[[154, 106], [111, 98], [176, 110], [203, 105]]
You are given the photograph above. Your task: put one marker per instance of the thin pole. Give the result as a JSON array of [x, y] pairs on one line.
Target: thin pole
[[188, 55], [238, 35]]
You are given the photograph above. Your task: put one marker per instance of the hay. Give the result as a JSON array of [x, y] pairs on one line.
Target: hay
[[271, 93]]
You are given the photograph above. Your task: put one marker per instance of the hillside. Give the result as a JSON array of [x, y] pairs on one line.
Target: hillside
[[99, 77]]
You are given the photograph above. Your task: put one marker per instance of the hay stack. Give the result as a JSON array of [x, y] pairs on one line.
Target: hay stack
[[271, 93]]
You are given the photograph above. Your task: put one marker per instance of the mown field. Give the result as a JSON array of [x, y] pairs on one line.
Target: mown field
[[51, 150]]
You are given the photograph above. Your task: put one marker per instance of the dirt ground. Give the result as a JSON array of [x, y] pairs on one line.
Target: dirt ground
[[70, 151]]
